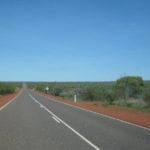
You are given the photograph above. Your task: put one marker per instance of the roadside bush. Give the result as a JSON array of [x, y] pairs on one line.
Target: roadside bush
[[129, 91], [6, 88], [129, 87], [40, 87], [147, 95], [56, 91], [88, 94], [98, 94], [110, 96]]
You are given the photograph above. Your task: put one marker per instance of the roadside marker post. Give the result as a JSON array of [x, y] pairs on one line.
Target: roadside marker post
[[75, 98]]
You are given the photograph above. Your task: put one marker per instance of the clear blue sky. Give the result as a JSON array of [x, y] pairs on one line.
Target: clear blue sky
[[74, 40]]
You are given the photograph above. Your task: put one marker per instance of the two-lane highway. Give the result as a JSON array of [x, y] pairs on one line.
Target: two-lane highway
[[34, 122]]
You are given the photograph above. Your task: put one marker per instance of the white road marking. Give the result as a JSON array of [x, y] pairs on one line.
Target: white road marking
[[103, 115], [68, 126], [2, 107], [56, 119], [41, 106]]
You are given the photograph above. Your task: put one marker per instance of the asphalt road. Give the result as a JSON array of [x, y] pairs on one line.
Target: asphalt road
[[34, 122]]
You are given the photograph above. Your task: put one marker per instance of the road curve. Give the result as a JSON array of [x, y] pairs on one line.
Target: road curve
[[34, 122]]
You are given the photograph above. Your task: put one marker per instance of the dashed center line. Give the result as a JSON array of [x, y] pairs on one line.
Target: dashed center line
[[57, 119]]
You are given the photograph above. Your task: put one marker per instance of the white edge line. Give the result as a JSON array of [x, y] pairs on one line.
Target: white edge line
[[77, 133], [2, 107], [103, 115], [56, 119]]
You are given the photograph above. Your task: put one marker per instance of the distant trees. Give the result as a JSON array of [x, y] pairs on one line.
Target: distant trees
[[98, 93], [88, 93], [56, 91], [6, 88], [125, 89], [129, 87], [146, 94]]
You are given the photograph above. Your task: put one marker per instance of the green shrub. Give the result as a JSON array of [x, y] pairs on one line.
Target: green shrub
[[147, 95], [6, 88], [88, 93], [56, 91], [129, 87]]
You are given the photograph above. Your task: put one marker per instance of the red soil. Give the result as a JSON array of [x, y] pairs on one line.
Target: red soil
[[6, 98], [139, 118]]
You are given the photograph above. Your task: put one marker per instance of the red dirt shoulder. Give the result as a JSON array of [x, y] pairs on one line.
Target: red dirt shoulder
[[6, 98]]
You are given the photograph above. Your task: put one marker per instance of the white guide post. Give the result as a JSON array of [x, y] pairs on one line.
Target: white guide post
[[75, 98]]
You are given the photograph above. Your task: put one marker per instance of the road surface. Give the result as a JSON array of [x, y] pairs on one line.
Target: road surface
[[34, 122]]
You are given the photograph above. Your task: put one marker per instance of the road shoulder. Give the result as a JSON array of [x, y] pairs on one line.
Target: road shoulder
[[137, 118], [7, 99]]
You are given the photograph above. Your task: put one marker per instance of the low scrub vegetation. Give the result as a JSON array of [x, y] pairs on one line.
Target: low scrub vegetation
[[7, 88], [128, 91]]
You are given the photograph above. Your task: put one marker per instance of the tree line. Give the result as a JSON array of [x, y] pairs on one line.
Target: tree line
[[126, 90], [8, 88]]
